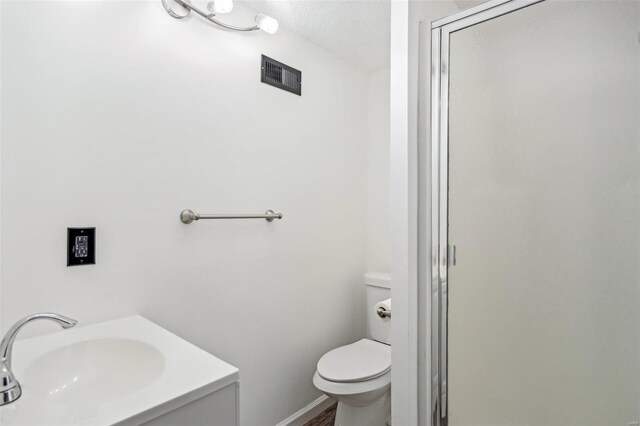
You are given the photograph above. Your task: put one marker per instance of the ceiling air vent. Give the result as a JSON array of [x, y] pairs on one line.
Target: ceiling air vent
[[281, 76]]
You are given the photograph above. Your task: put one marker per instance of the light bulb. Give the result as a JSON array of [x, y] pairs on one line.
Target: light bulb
[[220, 6], [267, 24]]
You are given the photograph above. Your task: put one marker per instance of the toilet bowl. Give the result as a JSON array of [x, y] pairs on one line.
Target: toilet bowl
[[358, 375]]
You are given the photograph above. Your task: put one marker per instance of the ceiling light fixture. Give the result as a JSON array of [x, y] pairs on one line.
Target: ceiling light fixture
[[262, 22], [220, 6], [266, 24]]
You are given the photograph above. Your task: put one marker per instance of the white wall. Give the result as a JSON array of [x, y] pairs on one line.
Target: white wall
[[114, 115], [378, 227]]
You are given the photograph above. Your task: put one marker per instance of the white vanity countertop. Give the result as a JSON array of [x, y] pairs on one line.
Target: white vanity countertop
[[126, 371]]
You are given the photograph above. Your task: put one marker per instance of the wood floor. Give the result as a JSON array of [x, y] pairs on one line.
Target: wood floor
[[326, 418]]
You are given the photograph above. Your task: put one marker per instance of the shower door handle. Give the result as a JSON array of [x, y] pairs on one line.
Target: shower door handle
[[451, 256]]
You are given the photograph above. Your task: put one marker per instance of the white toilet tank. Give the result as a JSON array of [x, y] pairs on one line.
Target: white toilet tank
[[378, 289]]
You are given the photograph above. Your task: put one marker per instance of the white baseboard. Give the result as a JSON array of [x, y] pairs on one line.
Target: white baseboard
[[307, 413]]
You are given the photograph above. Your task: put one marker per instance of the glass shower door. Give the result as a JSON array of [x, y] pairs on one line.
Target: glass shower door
[[544, 212]]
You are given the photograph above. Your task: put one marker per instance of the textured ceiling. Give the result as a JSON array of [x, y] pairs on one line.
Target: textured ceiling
[[354, 30]]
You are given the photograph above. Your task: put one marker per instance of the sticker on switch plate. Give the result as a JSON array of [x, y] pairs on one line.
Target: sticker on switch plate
[[81, 246]]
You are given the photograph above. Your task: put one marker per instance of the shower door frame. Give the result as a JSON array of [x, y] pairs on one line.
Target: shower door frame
[[441, 31]]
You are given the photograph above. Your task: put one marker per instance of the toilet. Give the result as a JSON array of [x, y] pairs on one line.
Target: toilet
[[358, 375]]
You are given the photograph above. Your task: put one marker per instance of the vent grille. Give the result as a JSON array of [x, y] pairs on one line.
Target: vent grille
[[281, 76]]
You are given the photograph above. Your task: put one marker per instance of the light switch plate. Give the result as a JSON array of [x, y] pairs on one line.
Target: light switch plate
[[81, 246]]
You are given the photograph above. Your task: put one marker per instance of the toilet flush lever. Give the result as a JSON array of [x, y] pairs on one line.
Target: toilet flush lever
[[383, 313]]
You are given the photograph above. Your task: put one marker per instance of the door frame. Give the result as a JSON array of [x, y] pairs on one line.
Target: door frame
[[441, 31]]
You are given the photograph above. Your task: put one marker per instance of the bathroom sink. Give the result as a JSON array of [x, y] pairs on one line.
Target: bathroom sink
[[126, 371], [93, 370]]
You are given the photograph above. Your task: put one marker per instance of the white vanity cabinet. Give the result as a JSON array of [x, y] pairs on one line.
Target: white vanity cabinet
[[219, 408], [125, 372]]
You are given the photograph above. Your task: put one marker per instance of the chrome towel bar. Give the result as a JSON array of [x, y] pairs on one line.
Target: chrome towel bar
[[188, 216]]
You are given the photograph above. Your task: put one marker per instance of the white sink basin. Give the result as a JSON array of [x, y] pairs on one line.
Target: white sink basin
[[124, 372], [94, 370]]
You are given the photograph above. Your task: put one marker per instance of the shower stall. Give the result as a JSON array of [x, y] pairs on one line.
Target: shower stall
[[535, 214]]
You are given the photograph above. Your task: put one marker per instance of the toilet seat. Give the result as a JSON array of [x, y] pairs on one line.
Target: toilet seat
[[335, 389], [361, 361]]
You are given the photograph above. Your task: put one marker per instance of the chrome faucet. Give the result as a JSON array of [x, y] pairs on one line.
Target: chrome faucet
[[9, 387]]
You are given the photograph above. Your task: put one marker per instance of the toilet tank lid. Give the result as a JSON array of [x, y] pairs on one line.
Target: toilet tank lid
[[378, 279]]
